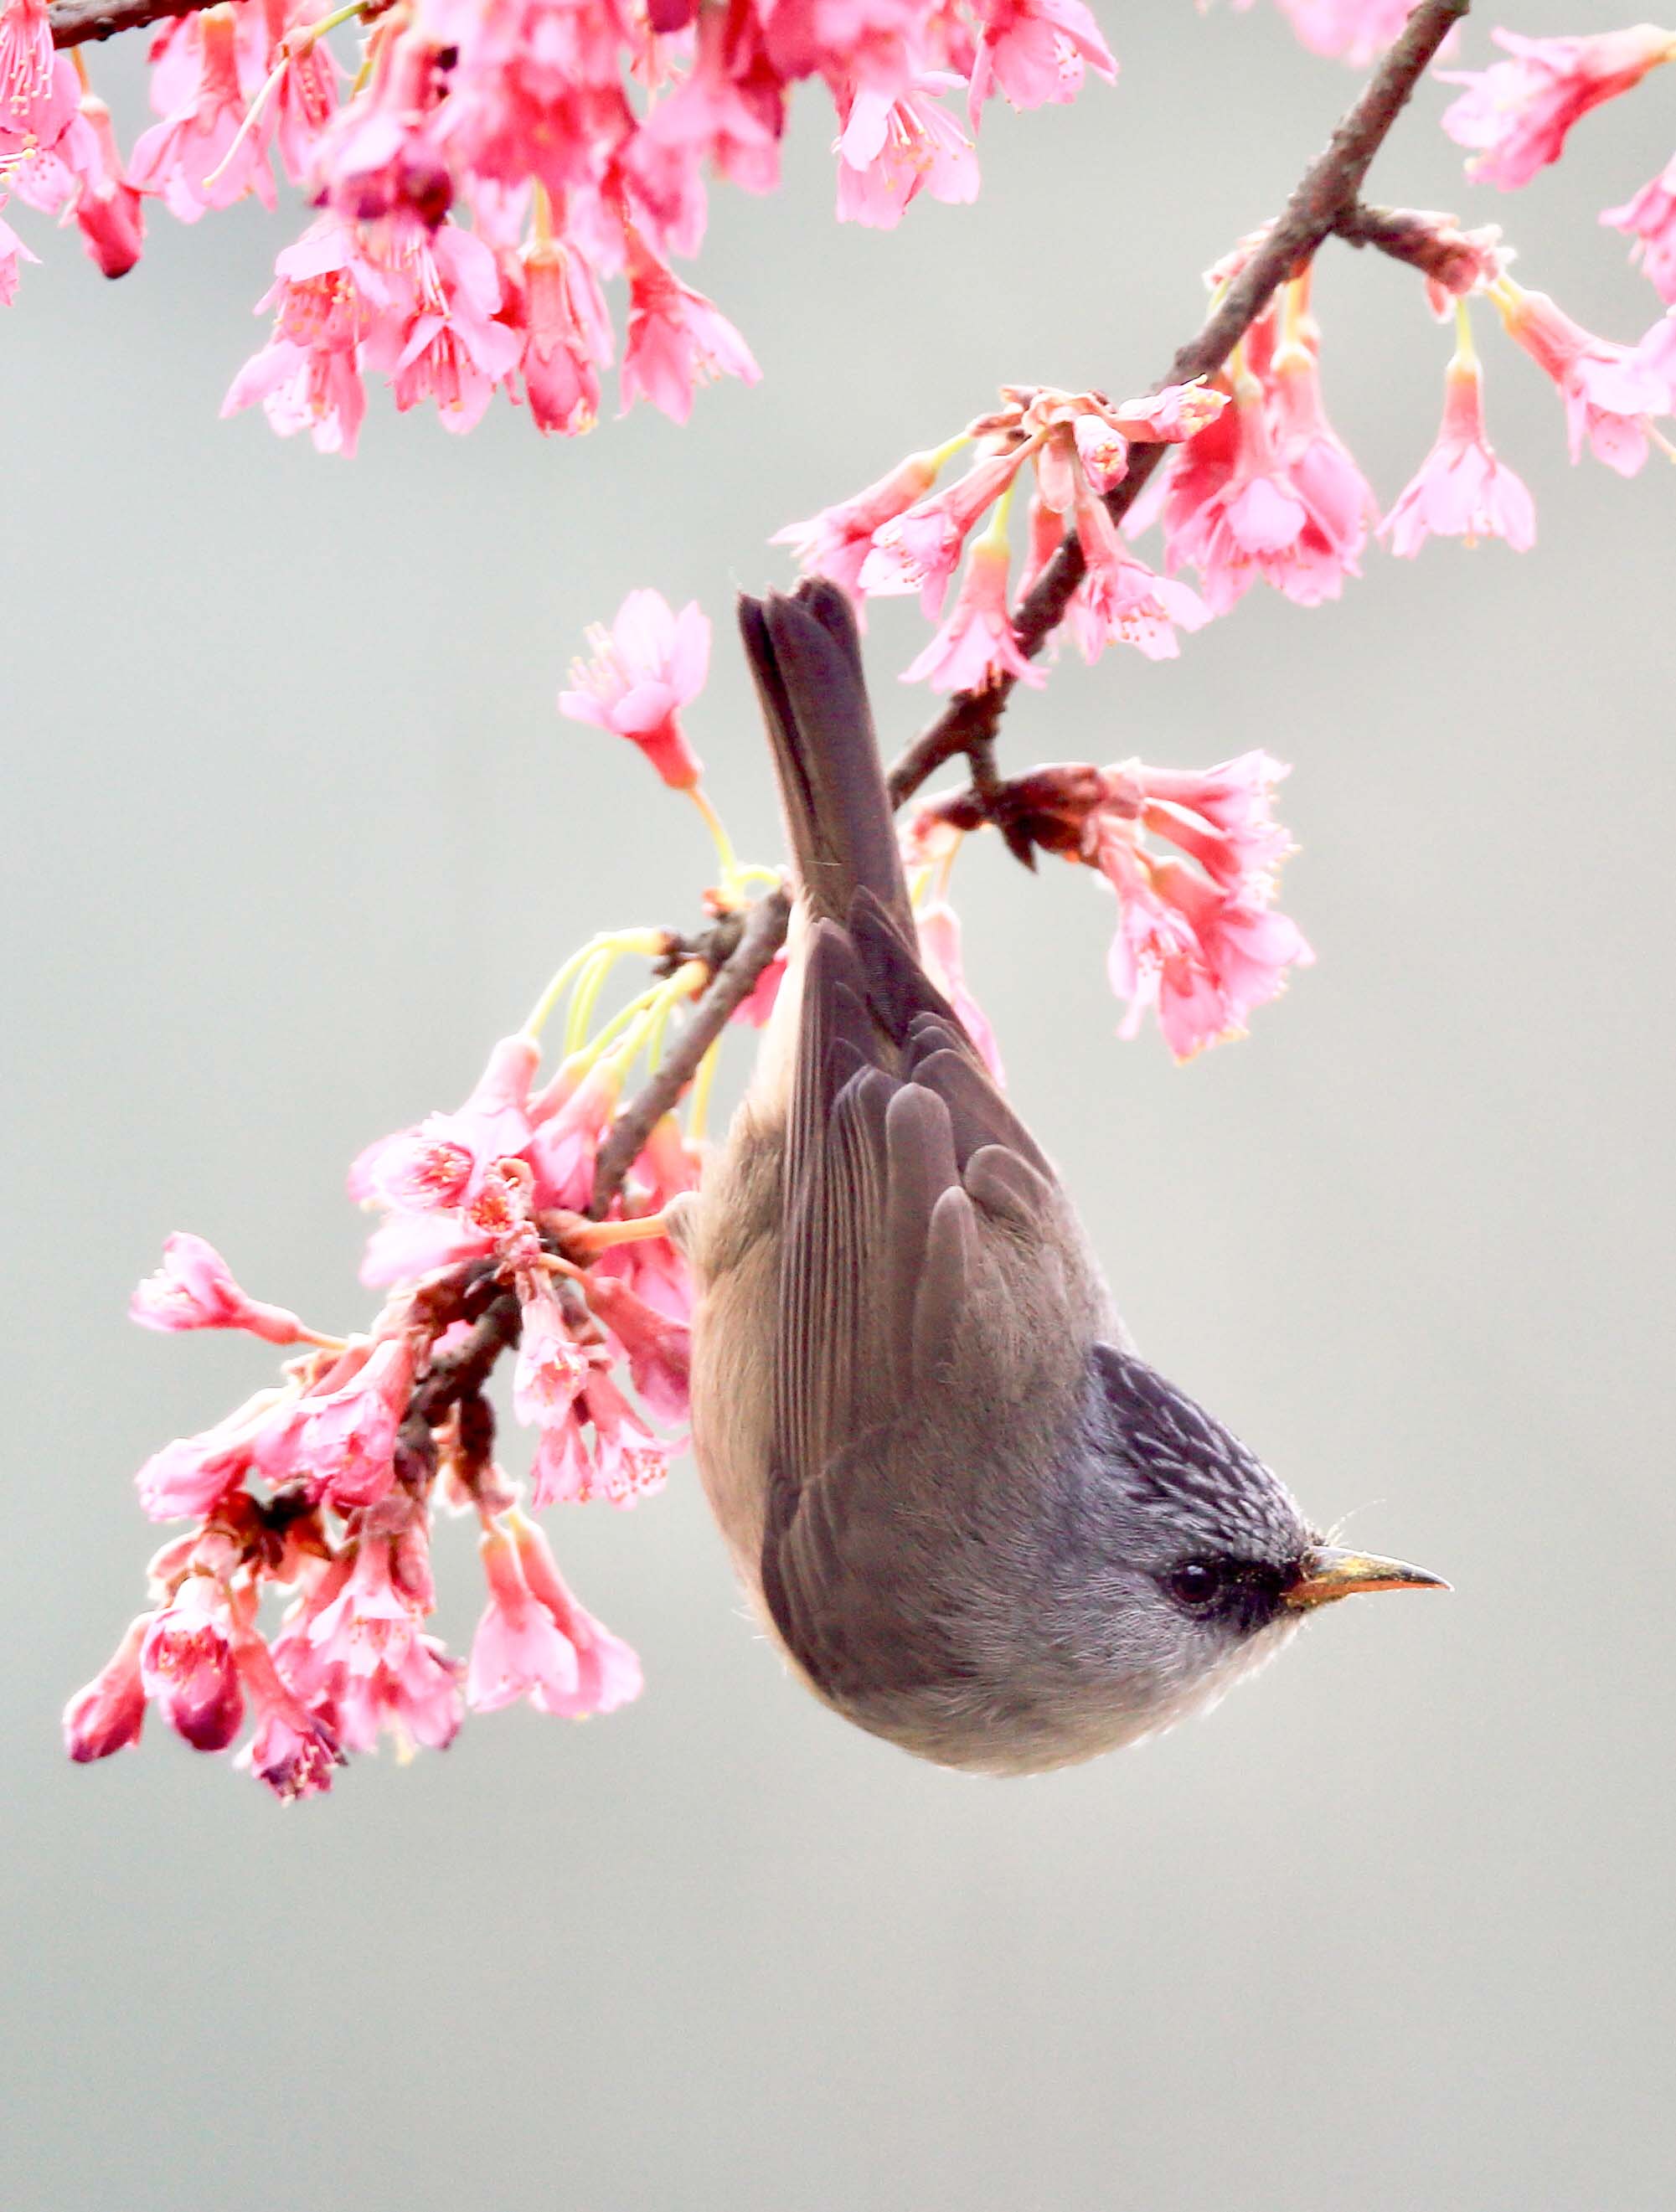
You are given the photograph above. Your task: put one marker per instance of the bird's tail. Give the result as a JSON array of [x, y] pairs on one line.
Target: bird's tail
[[806, 655]]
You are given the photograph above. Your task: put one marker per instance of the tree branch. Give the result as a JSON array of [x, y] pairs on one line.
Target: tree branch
[[1327, 191], [76, 21], [731, 985]]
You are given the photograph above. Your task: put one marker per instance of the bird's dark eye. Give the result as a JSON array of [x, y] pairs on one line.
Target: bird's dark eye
[[1196, 1583]]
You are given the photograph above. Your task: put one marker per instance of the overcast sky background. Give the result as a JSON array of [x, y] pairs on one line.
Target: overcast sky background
[[294, 832]]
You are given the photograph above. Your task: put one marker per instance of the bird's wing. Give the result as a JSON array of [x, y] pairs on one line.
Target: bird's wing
[[913, 1188]]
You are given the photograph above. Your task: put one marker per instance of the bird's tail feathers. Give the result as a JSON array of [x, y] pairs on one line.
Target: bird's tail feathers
[[805, 655]]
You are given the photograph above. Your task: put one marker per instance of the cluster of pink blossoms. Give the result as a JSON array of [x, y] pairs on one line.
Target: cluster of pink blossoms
[[1193, 856], [324, 1486], [493, 163]]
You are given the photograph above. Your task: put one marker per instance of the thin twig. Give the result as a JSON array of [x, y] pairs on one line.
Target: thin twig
[[1330, 186], [731, 985]]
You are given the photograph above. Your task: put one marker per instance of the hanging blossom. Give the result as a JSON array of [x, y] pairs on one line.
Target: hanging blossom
[[1516, 114], [1649, 219], [1268, 491], [1193, 856], [500, 166], [1612, 392], [1460, 488]]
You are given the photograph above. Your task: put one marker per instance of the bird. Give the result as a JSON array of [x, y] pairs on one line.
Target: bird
[[975, 1520]]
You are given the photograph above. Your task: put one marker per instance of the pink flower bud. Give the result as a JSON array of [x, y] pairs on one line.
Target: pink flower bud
[[108, 1713], [194, 1289]]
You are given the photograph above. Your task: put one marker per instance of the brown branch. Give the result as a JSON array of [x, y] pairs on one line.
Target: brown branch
[[732, 983], [1433, 244], [76, 21], [1329, 189]]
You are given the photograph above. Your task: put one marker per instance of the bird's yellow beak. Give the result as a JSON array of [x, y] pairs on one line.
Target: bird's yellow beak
[[1326, 1573]]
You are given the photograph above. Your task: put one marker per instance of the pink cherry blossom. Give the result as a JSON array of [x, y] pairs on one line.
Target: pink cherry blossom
[[562, 1472], [1223, 818], [835, 543], [12, 251], [1610, 391], [567, 1141], [294, 1750], [651, 664], [519, 1650], [194, 1289], [443, 1161], [193, 1474], [676, 338], [451, 350], [1650, 219], [1201, 956], [1516, 113], [1316, 460], [1036, 51], [363, 1651], [108, 1714], [1120, 601], [339, 1440], [185, 158], [630, 1463], [38, 91], [916, 550], [657, 1346], [188, 1669], [328, 294], [892, 148], [552, 1367], [977, 646], [608, 1673], [1233, 509], [1461, 489], [938, 928], [307, 94], [380, 156]]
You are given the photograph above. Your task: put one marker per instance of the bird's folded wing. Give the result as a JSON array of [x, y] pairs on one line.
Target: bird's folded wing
[[904, 1163]]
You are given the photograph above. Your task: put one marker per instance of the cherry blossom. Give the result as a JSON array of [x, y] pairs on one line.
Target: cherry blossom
[[1460, 488], [1611, 391], [977, 646], [1650, 220], [651, 664], [1516, 113]]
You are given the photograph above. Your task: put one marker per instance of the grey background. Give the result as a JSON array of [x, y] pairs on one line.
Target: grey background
[[292, 832]]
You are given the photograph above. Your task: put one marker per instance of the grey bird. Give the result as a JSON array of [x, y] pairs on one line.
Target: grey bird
[[975, 1520]]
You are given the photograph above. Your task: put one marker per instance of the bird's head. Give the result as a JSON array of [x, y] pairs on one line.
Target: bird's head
[[1202, 1565]]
